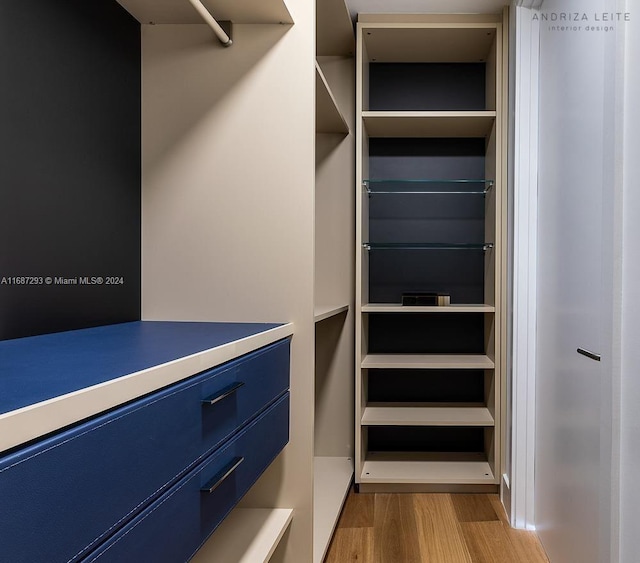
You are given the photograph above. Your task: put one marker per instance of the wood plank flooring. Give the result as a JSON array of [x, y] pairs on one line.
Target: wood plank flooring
[[429, 528]]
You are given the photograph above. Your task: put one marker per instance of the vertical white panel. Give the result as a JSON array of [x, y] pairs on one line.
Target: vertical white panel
[[576, 282], [524, 155], [630, 421], [228, 205]]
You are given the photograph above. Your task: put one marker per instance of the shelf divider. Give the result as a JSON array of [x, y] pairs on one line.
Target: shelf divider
[[426, 416], [428, 468], [427, 361], [453, 308], [428, 123]]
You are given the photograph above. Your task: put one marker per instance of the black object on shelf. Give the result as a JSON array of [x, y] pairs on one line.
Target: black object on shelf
[[417, 299]]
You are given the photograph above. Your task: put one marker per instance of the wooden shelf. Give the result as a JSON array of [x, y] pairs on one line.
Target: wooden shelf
[[444, 468], [334, 29], [428, 123], [397, 308], [181, 11], [329, 119], [426, 416], [247, 535], [327, 311], [332, 477], [427, 361]]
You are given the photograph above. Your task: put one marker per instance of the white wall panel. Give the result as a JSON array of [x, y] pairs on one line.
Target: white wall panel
[[576, 285], [630, 421]]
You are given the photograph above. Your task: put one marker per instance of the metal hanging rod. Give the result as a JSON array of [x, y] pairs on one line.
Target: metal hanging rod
[[221, 34]]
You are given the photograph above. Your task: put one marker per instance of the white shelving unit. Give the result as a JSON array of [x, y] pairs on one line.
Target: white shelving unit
[[428, 378], [334, 269], [247, 535]]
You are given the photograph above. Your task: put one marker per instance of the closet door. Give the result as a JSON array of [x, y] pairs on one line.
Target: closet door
[[575, 261]]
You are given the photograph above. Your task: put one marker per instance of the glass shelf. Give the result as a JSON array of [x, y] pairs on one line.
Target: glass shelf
[[426, 246], [420, 186]]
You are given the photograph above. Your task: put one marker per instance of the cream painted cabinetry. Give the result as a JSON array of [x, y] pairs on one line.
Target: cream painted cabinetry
[[228, 216], [248, 214], [334, 268], [431, 208]]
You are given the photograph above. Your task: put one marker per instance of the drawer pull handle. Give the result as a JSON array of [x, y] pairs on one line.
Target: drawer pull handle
[[589, 354], [223, 393], [219, 477]]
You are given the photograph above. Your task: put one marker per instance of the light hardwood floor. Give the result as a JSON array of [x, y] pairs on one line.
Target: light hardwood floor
[[429, 528]]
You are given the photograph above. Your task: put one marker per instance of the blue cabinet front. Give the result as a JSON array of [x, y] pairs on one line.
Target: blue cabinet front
[[177, 524], [64, 495]]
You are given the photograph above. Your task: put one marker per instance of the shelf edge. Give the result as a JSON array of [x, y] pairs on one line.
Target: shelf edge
[[375, 418], [454, 308], [325, 518], [247, 535], [176, 12], [436, 361], [327, 108], [33, 421], [405, 476], [327, 311], [419, 114]]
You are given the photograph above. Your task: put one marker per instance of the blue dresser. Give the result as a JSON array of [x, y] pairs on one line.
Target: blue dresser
[[151, 479]]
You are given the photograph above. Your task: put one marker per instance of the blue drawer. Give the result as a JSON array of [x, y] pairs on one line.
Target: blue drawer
[[173, 528], [63, 495], [241, 390]]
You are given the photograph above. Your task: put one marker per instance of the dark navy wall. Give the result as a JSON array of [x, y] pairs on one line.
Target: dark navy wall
[[427, 86], [70, 165], [433, 218]]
